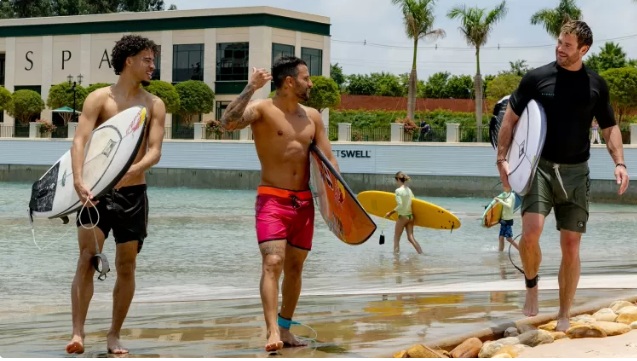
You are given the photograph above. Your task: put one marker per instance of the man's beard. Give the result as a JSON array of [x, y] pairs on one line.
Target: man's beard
[[305, 96]]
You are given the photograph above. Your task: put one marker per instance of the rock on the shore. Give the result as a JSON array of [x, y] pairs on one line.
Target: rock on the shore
[[551, 325], [605, 314], [470, 348], [612, 328], [491, 348], [512, 351], [585, 330], [633, 325], [619, 304], [627, 315], [536, 337], [511, 332], [557, 335], [584, 318], [419, 351]]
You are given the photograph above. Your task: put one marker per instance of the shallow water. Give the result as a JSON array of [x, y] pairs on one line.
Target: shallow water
[[198, 275]]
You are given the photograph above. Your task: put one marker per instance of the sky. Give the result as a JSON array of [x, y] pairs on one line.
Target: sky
[[369, 36]]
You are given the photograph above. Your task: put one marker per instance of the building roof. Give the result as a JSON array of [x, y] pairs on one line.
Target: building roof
[[166, 20]]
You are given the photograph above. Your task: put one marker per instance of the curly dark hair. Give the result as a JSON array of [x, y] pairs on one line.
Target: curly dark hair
[[130, 45]]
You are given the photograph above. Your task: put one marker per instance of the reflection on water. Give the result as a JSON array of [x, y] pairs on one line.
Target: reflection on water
[[198, 275]]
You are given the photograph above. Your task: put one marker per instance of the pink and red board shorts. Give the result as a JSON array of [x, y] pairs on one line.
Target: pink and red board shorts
[[283, 214]]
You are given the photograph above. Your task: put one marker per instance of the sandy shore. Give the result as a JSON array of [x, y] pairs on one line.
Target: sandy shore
[[621, 346]]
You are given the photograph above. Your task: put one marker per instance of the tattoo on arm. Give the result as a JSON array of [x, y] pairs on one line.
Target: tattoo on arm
[[236, 116]]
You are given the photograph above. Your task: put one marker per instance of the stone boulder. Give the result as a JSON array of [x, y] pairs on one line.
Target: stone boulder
[[619, 304], [536, 337], [612, 328], [511, 351], [605, 314], [491, 348], [582, 331], [511, 332], [470, 348], [627, 315]]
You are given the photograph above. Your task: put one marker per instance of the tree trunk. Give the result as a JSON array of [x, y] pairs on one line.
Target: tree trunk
[[477, 81], [411, 95]]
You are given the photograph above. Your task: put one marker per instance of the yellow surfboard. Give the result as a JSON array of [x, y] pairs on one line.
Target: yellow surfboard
[[492, 214], [426, 214]]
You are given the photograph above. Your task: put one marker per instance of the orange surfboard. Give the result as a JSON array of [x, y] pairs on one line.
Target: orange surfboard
[[338, 205]]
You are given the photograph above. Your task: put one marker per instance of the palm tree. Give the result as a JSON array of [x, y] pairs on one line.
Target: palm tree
[[419, 19], [553, 19], [476, 24]]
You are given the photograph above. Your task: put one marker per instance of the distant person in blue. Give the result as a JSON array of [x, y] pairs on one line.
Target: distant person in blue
[[506, 221]]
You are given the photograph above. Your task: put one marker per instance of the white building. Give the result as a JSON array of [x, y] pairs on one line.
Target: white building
[[218, 46]]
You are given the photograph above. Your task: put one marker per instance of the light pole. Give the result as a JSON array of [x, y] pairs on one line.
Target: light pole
[[73, 84]]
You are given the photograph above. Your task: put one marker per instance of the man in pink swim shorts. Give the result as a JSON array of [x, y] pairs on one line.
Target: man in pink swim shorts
[[283, 132]]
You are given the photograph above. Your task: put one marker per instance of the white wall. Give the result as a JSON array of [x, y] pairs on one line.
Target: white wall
[[366, 158]]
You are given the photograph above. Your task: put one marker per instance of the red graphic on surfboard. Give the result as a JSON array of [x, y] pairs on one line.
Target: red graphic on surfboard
[[338, 205]]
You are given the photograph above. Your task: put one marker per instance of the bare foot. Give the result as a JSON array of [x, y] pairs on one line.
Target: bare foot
[[274, 342], [530, 306], [562, 324], [289, 340], [114, 346], [76, 345]]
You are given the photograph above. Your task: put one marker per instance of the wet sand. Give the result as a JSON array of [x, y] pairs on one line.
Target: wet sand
[[350, 326], [621, 346]]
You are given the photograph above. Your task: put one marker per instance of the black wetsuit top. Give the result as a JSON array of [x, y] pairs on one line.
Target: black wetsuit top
[[570, 99]]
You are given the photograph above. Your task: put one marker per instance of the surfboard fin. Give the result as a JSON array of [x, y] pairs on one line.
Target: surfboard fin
[[382, 238], [65, 219]]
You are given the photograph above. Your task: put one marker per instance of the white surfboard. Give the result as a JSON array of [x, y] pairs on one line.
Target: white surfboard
[[526, 147], [109, 153]]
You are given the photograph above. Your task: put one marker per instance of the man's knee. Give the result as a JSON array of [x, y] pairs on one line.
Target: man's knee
[[125, 269], [273, 263], [531, 233], [293, 268], [570, 245], [85, 259]]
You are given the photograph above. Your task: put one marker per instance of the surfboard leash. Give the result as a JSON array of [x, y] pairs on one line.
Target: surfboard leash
[[99, 260], [511, 259], [47, 244]]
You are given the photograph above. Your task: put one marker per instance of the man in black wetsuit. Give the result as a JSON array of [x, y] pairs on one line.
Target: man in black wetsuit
[[572, 95]]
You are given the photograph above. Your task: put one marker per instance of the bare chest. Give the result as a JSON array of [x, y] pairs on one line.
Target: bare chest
[[284, 129], [113, 107]]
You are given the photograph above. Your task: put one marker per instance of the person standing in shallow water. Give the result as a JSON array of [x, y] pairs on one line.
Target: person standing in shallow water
[[124, 210], [405, 220], [506, 221], [571, 95], [283, 132]]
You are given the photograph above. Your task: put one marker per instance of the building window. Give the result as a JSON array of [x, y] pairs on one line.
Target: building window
[[314, 60], [232, 61], [2, 63], [220, 108], [281, 50], [157, 71], [187, 62]]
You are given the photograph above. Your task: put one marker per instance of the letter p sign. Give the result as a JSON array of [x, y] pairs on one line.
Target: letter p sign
[[66, 56]]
